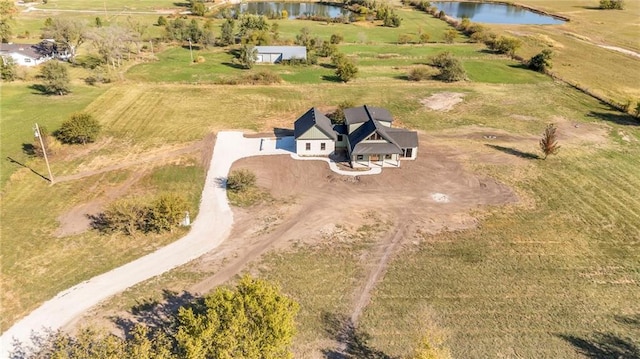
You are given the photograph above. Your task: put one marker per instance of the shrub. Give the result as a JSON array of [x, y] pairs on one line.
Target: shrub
[[165, 213], [503, 44], [540, 62], [404, 39], [346, 70], [450, 36], [549, 141], [241, 180], [327, 49], [336, 39], [419, 73], [451, 68], [612, 4], [124, 215], [80, 128], [424, 38], [162, 21]]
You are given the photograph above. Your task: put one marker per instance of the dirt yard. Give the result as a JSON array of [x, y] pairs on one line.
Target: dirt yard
[[431, 194]]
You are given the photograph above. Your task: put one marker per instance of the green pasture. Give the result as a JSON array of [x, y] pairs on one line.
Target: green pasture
[[21, 107]]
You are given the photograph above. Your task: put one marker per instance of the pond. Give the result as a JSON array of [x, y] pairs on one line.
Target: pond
[[271, 9], [495, 13]]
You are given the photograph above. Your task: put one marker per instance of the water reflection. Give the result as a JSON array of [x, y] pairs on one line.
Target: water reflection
[[294, 10], [495, 13]]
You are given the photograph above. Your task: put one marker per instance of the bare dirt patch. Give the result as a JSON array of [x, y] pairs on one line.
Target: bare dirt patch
[[578, 132], [443, 101], [432, 193]]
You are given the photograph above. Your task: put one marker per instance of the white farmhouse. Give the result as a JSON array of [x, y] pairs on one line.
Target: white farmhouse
[[24, 54]]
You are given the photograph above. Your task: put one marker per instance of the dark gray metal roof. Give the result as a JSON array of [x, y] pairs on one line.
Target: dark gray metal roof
[[312, 118], [365, 113], [29, 50], [366, 130], [379, 148], [288, 52], [341, 129], [404, 138]]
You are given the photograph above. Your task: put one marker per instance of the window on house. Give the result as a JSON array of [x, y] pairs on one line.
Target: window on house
[[339, 138], [27, 60], [308, 146], [387, 157], [323, 146], [375, 136], [359, 157]]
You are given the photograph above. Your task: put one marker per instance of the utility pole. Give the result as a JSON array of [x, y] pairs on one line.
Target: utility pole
[[191, 50], [44, 151]]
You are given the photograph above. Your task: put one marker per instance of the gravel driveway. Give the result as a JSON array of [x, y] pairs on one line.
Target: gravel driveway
[[209, 229]]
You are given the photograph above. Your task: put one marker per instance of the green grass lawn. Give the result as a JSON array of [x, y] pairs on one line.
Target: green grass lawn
[[18, 116]]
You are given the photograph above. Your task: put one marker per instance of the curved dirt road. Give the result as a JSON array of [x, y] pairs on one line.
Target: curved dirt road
[[208, 230]]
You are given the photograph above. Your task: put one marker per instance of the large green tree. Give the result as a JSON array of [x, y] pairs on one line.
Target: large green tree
[[252, 321], [56, 78], [226, 32]]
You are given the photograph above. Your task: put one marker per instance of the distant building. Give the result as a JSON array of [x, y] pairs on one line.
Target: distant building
[[275, 54], [367, 137], [26, 54]]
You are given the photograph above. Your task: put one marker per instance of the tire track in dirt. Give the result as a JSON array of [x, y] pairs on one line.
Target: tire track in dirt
[[381, 258], [248, 254], [200, 145]]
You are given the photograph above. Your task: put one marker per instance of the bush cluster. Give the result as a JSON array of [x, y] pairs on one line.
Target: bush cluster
[[129, 216], [450, 67]]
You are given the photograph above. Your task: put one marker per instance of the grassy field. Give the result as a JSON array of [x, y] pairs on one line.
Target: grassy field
[[564, 274], [541, 281]]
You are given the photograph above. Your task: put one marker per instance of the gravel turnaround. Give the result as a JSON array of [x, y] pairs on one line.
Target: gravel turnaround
[[211, 227]]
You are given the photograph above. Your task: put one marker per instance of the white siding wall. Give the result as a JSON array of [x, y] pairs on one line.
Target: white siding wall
[[22, 60], [301, 147]]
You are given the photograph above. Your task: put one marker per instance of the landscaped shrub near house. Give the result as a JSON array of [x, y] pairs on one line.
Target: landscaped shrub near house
[[242, 190], [241, 180]]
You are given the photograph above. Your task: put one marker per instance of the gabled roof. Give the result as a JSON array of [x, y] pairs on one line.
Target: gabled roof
[[404, 138], [288, 52], [28, 50], [367, 129], [365, 113], [312, 118]]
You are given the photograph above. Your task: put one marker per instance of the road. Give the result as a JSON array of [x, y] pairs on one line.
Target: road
[[208, 231]]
